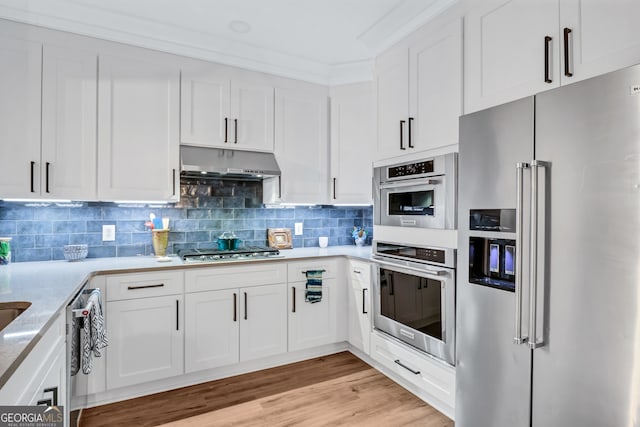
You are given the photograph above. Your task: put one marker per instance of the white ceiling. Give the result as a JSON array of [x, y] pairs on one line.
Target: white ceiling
[[323, 41]]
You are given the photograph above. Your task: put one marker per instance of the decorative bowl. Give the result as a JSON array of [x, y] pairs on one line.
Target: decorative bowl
[[75, 252]]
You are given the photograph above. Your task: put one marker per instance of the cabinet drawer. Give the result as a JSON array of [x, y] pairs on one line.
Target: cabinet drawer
[[360, 272], [144, 285], [297, 269], [217, 278], [433, 377]]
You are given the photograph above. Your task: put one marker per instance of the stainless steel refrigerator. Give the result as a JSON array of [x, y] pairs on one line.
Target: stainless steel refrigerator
[[548, 297]]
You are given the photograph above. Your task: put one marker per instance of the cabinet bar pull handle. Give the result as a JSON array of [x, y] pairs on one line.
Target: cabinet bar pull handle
[[133, 288], [174, 182], [226, 130], [53, 390], [33, 165], [334, 188], [567, 71], [177, 315], [44, 402], [279, 187], [402, 122], [364, 299], [235, 131], [410, 140], [47, 176], [293, 289], [547, 49], [245, 306], [235, 307], [357, 271], [406, 367]]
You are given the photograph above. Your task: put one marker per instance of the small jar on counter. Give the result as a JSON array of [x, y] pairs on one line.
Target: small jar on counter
[[5, 250]]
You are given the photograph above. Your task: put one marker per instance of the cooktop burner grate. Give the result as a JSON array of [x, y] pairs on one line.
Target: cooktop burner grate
[[212, 254]]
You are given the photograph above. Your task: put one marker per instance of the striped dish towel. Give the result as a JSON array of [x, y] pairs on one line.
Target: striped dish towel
[[93, 334], [313, 292]]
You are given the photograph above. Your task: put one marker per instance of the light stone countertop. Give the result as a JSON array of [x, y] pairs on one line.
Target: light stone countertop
[[51, 285]]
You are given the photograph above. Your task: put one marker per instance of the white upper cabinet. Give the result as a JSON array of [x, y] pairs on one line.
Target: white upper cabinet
[[20, 69], [252, 111], [602, 36], [352, 142], [301, 150], [220, 112], [138, 128], [508, 44], [392, 97], [205, 109], [48, 118], [69, 109], [419, 91], [516, 48], [435, 80]]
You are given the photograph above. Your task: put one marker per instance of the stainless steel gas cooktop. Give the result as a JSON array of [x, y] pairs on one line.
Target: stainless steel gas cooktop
[[215, 255]]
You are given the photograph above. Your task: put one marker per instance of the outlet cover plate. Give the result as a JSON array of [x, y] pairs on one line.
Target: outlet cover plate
[[298, 228], [109, 233]]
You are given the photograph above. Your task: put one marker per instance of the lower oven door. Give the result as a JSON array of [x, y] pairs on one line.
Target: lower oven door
[[415, 303], [415, 203]]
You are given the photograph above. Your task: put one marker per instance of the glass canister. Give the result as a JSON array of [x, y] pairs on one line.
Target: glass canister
[[5, 250]]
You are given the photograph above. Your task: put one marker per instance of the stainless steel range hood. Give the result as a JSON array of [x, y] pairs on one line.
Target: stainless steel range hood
[[221, 163]]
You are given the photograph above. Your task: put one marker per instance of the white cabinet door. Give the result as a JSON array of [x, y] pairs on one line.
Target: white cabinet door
[[145, 340], [252, 112], [205, 112], [69, 108], [301, 145], [211, 329], [505, 50], [435, 79], [602, 36], [311, 325], [263, 320], [20, 83], [360, 305], [138, 124], [352, 132], [392, 98], [53, 388]]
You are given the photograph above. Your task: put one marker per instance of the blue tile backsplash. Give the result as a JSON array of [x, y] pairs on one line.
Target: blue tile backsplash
[[206, 209]]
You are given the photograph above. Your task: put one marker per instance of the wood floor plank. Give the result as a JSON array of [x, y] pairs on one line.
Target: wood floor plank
[[339, 389]]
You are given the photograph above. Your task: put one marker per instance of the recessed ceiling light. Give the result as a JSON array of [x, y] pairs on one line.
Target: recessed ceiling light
[[240, 27]]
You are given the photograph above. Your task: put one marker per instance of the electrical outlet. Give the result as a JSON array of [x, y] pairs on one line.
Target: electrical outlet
[[108, 233], [298, 228]]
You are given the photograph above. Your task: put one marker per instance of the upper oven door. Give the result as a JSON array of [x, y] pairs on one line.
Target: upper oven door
[[414, 203]]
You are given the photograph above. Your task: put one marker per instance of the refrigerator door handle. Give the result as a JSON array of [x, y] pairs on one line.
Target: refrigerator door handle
[[534, 342], [520, 167]]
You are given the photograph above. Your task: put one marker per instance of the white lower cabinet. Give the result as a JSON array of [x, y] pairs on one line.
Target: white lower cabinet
[[212, 329], [226, 323], [359, 311], [263, 322], [431, 377], [313, 324], [145, 327], [41, 377]]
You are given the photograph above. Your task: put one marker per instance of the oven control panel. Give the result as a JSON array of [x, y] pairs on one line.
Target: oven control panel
[[426, 254], [410, 169]]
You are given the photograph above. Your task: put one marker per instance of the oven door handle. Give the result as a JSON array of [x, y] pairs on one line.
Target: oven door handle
[[410, 183], [430, 271]]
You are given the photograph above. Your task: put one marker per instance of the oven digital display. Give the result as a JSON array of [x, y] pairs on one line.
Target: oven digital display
[[411, 169]]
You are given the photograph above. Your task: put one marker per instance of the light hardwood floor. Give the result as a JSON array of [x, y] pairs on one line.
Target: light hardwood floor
[[339, 389]]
